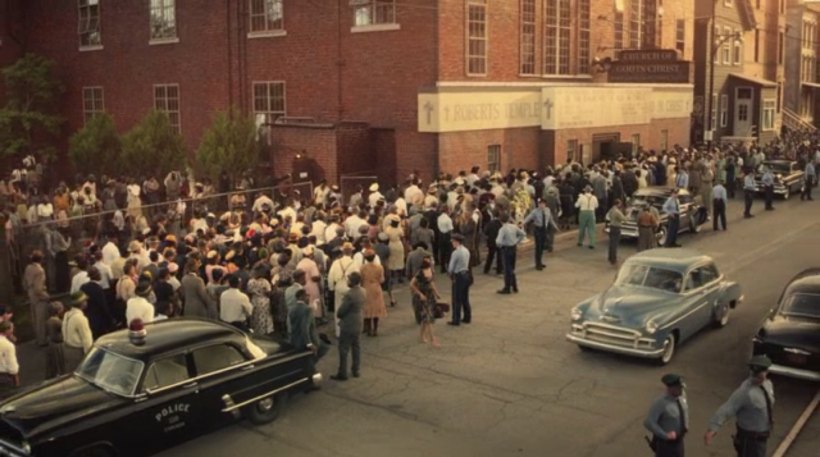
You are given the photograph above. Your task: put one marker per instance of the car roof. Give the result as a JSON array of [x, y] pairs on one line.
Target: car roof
[[168, 335], [807, 281], [659, 191], [779, 161], [675, 259]]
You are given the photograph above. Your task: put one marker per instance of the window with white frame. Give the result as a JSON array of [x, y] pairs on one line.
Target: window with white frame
[[93, 103], [583, 36], [476, 37], [724, 110], [737, 49], [266, 16], [374, 12], [651, 24], [557, 34], [635, 23], [166, 100], [618, 28], [527, 66], [494, 158], [88, 25], [572, 150], [268, 101], [726, 47], [636, 143], [163, 19], [715, 40], [769, 107], [680, 35]]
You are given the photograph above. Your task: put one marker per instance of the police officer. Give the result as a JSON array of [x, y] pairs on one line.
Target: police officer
[[749, 190], [543, 222], [768, 186], [668, 418], [751, 404]]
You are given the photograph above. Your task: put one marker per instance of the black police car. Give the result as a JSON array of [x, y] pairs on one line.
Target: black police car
[[144, 389]]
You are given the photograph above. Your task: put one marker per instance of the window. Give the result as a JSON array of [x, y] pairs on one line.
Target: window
[[715, 38], [726, 47], [680, 35], [713, 109], [527, 37], [476, 37], [635, 23], [724, 110], [757, 45], [583, 36], [619, 30], [163, 19], [92, 102], [769, 107], [374, 12], [110, 372], [89, 23], [651, 27], [215, 358], [268, 101], [267, 16], [572, 150], [494, 158], [636, 144], [166, 99], [557, 37], [664, 140], [737, 47], [166, 372]]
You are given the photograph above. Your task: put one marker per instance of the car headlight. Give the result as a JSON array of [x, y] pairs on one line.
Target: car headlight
[[651, 326], [576, 314], [26, 447]]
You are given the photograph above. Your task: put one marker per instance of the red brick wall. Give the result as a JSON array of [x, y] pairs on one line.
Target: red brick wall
[[318, 144], [461, 150]]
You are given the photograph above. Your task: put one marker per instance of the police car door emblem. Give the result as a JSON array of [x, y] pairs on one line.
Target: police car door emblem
[[171, 416]]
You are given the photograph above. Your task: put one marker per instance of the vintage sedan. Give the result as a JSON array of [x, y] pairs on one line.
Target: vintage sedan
[[692, 213], [790, 335], [660, 298], [142, 390], [788, 177]]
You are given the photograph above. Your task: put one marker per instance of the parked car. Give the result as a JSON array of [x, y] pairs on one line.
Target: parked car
[[143, 390], [790, 335], [788, 177], [660, 298], [692, 213]]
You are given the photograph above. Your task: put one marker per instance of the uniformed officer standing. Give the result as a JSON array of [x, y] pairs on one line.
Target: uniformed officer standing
[[668, 418], [752, 405], [768, 186], [749, 190]]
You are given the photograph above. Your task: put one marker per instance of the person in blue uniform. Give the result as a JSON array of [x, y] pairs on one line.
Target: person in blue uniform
[[668, 418]]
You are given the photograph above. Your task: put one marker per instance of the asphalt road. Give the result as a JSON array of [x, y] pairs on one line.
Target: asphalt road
[[510, 385]]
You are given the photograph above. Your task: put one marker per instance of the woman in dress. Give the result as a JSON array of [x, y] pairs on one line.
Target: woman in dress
[[425, 295], [372, 279], [259, 290], [395, 234], [313, 276]]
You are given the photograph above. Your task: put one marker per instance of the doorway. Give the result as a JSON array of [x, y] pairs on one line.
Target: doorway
[[744, 104], [604, 146]]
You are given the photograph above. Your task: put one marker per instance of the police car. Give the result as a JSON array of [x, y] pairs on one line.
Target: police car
[[149, 387]]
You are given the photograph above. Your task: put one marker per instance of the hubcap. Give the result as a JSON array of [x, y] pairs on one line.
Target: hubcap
[[265, 404], [668, 349]]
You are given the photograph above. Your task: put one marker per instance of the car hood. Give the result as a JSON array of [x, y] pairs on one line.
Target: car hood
[[54, 402], [791, 331], [630, 305]]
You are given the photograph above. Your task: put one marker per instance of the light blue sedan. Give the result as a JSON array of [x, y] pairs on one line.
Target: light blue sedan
[[660, 298]]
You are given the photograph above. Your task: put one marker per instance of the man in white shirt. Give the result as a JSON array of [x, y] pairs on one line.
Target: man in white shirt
[[138, 307], [234, 306], [375, 195], [9, 368], [353, 223], [586, 204], [318, 228], [445, 229], [77, 338], [105, 271], [333, 229], [110, 251], [261, 201], [337, 277], [81, 277], [413, 194]]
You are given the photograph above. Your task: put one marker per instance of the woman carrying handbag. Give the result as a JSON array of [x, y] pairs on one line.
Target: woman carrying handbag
[[425, 295]]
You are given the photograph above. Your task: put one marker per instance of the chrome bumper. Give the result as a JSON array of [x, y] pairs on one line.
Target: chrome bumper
[[627, 231], [797, 373], [317, 379], [631, 351]]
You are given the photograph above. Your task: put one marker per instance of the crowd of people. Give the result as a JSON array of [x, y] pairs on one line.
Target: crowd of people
[[289, 263]]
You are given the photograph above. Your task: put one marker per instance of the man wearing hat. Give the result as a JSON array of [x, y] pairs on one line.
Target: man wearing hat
[[668, 418], [542, 220], [672, 209], [77, 338], [459, 271], [138, 307], [751, 404]]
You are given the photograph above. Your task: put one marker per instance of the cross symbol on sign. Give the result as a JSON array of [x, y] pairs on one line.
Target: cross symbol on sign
[[429, 108], [548, 105]]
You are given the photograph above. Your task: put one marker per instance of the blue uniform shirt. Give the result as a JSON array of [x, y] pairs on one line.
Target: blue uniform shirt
[[540, 217], [671, 206], [748, 405], [665, 416], [509, 235], [459, 260], [719, 192]]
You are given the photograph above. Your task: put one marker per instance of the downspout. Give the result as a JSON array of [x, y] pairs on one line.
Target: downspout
[[339, 63], [230, 53]]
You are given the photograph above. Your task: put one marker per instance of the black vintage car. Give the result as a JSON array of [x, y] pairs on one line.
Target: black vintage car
[[788, 177], [137, 392], [692, 212], [790, 335]]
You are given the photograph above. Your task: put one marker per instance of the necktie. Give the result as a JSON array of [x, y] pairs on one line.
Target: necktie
[[768, 407], [682, 415], [543, 218]]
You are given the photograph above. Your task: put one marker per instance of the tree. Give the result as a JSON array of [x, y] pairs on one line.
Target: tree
[[152, 147], [97, 147], [230, 144], [28, 120]]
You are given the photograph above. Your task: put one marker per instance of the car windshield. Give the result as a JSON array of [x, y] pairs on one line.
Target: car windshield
[[642, 200], [779, 167], [650, 276], [804, 305], [111, 372]]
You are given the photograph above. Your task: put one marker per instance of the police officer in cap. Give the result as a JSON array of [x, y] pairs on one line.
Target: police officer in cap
[[751, 404], [668, 418]]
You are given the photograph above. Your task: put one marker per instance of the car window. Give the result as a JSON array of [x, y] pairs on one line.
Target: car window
[[216, 357], [110, 371], [803, 305], [709, 273], [683, 199], [166, 372], [651, 277], [694, 280]]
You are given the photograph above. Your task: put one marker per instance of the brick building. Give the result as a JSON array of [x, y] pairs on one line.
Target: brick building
[[802, 102], [378, 86]]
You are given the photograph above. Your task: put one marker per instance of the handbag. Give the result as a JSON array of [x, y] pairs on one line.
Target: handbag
[[440, 309]]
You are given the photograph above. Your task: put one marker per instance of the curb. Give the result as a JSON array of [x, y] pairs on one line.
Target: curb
[[787, 442]]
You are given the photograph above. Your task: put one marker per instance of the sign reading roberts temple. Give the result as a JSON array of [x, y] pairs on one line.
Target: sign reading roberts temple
[[649, 66]]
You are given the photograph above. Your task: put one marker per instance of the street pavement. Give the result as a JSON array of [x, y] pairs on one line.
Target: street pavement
[[510, 385]]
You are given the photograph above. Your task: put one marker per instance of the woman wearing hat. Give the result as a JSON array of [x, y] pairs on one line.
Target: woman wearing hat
[[372, 279], [77, 338]]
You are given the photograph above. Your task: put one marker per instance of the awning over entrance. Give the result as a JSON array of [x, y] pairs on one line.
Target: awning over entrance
[[812, 85], [758, 81]]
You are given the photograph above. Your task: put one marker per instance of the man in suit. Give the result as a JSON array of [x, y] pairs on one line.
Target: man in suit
[[350, 324], [197, 300], [303, 334]]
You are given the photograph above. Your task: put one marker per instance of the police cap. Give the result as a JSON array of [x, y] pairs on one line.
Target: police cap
[[672, 380], [760, 363]]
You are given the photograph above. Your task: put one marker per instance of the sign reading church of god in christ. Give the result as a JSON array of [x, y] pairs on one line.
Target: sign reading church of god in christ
[[649, 66]]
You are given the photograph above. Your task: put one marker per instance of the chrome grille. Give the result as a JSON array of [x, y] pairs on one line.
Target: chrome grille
[[611, 334]]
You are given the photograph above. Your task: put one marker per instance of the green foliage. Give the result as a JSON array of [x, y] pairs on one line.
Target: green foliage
[[152, 147], [28, 119], [230, 144], [97, 147]]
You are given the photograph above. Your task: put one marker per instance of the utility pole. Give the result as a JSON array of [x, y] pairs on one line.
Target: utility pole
[[709, 97]]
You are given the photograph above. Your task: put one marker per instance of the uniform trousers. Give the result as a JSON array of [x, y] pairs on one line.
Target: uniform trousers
[[540, 245], [666, 448], [749, 196], [508, 255], [444, 250], [614, 241], [461, 298], [586, 225], [493, 253], [769, 196], [750, 444], [672, 230], [807, 185], [349, 342], [719, 213]]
